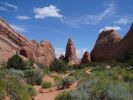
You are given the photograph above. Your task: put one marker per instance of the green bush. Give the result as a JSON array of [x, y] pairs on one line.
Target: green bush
[[57, 78], [16, 73], [106, 84], [16, 62], [118, 92], [59, 66], [65, 83], [17, 90], [79, 74], [63, 96], [33, 77], [45, 69], [14, 87], [46, 85], [31, 90], [2, 90], [128, 77]]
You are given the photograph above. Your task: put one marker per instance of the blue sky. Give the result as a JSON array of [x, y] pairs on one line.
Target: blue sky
[[58, 20]]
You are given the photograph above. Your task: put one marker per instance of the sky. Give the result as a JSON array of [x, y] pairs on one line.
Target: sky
[[58, 20]]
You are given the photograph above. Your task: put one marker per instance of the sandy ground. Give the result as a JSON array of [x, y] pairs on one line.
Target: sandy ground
[[7, 98], [50, 94]]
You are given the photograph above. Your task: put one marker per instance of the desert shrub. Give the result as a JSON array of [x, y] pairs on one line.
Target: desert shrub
[[105, 85], [31, 62], [33, 77], [57, 78], [65, 95], [2, 90], [59, 66], [46, 85], [16, 62], [72, 95], [79, 95], [17, 73], [45, 69], [98, 68], [93, 64], [14, 87], [16, 90], [2, 94], [128, 77], [65, 83], [110, 74], [118, 91], [79, 74], [80, 66], [31, 90]]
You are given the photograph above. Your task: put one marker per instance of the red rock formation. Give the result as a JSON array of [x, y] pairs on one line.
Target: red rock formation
[[124, 47], [70, 55], [86, 58], [107, 41], [45, 53], [27, 52], [12, 42]]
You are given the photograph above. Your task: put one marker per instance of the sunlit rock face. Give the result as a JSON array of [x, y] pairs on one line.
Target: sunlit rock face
[[12, 42], [125, 46], [106, 43], [70, 55], [45, 53]]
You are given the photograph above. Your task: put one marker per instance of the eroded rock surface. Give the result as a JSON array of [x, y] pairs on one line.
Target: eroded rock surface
[[70, 55]]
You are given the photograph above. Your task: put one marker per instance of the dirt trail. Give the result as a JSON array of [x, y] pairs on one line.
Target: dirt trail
[[50, 94], [47, 95]]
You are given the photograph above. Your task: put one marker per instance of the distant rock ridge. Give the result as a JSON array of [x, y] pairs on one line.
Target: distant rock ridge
[[12, 42], [70, 55]]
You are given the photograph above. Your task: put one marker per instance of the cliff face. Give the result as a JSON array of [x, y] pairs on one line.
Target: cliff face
[[124, 47], [12, 42], [107, 41], [70, 55]]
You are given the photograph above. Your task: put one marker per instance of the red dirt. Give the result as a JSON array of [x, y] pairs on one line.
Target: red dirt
[[50, 94]]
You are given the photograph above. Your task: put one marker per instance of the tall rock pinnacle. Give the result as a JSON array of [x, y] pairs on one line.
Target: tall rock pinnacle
[[70, 55]]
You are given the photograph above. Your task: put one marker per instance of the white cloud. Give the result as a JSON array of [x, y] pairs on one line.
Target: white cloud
[[18, 28], [23, 17], [10, 5], [123, 21], [110, 28], [91, 19], [3, 9], [60, 51], [50, 11]]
